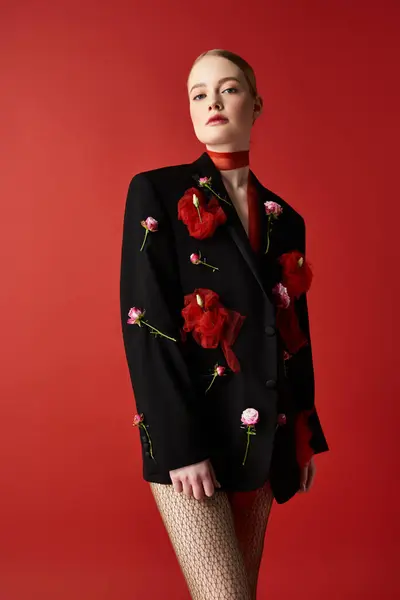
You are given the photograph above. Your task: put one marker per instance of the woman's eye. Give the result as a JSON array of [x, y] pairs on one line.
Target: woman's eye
[[227, 90]]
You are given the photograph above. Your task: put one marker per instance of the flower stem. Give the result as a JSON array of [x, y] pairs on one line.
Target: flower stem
[[144, 241], [247, 445], [268, 231], [159, 332], [211, 266], [151, 445], [198, 210], [213, 379], [215, 194]]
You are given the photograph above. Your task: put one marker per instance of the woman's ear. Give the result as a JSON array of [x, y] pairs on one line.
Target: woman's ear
[[258, 107]]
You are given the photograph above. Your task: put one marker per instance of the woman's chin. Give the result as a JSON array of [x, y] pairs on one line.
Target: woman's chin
[[218, 137]]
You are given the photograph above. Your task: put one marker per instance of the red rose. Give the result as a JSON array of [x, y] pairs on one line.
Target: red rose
[[296, 273], [202, 220], [211, 323]]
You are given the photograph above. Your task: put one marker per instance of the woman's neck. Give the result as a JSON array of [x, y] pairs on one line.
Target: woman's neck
[[236, 179]]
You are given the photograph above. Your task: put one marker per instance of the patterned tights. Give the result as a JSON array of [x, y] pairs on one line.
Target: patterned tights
[[218, 541]]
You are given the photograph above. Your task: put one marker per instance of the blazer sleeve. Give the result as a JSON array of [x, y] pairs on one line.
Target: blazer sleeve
[[161, 383], [310, 438]]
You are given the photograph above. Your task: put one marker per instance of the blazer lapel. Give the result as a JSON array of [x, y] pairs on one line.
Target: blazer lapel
[[204, 167]]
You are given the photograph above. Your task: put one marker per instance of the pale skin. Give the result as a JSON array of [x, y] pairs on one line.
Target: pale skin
[[224, 90]]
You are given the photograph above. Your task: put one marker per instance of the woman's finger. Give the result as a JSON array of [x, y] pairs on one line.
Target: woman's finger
[[214, 477], [198, 490], [177, 485], [187, 488], [208, 485], [303, 478], [311, 474]]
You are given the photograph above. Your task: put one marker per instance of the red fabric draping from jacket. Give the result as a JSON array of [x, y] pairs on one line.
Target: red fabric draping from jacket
[[225, 161]]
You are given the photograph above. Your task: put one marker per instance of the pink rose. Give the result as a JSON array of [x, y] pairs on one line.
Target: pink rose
[[250, 416], [206, 182], [282, 294], [150, 224], [135, 316], [137, 419], [195, 259], [273, 208], [218, 372]]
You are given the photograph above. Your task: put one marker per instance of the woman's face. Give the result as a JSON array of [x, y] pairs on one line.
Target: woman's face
[[222, 83]]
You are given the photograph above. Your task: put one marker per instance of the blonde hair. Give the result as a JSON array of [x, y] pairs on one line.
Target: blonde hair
[[240, 62]]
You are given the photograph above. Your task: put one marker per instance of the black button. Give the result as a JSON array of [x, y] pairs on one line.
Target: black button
[[144, 438], [271, 384], [269, 330], [147, 453]]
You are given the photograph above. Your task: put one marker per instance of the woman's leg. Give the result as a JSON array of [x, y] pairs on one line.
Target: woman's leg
[[250, 512], [202, 534]]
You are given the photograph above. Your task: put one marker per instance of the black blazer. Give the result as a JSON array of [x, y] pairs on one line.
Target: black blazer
[[184, 424]]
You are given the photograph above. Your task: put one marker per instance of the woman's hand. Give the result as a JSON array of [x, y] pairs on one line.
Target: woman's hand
[[307, 475], [195, 480]]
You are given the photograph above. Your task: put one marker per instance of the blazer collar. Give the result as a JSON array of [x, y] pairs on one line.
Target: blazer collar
[[204, 167]]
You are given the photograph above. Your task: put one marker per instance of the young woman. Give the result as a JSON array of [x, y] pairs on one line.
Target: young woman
[[215, 325]]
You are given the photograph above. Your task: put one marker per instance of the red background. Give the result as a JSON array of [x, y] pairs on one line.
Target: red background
[[94, 92]]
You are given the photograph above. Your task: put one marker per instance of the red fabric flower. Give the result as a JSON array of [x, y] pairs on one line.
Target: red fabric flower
[[203, 220], [304, 452], [296, 280], [296, 273], [211, 323], [289, 328]]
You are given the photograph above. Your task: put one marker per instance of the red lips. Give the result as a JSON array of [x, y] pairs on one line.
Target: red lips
[[216, 118]]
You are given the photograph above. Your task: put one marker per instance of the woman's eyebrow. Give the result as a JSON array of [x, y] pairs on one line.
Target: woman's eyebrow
[[197, 85]]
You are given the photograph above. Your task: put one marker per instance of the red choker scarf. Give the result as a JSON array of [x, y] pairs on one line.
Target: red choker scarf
[[225, 161]]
